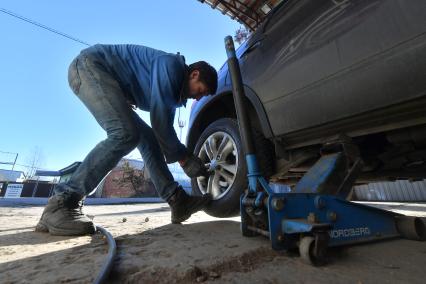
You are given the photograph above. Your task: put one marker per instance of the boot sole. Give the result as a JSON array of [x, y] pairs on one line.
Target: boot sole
[[43, 227]]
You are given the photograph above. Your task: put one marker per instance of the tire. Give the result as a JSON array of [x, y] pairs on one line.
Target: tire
[[220, 147]]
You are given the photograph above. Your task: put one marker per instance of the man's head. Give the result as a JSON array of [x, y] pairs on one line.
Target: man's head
[[202, 80]]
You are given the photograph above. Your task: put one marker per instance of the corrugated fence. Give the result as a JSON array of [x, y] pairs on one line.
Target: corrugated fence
[[401, 190]]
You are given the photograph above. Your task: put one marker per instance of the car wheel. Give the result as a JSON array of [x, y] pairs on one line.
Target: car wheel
[[219, 147]]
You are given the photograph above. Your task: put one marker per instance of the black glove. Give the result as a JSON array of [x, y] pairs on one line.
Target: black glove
[[194, 167]]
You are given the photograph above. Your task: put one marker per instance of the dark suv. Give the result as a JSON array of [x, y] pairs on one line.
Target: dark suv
[[314, 71]]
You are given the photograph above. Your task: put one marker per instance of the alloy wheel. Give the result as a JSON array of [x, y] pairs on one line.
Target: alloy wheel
[[219, 154]]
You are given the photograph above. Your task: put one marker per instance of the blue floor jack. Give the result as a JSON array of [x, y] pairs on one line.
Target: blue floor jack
[[315, 215]]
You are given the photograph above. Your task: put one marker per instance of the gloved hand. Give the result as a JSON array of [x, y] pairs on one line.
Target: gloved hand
[[193, 166]]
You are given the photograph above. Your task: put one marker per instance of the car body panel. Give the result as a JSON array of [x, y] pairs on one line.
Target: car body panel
[[309, 75], [320, 68]]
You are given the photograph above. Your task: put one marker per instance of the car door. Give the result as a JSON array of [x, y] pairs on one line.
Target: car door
[[310, 60], [285, 56]]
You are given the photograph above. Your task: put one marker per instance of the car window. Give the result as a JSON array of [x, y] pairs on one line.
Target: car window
[[242, 48]]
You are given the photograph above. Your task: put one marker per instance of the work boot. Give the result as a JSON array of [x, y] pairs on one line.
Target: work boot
[[65, 218], [184, 205]]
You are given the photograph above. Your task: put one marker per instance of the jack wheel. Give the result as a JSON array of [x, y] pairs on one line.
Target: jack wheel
[[308, 254]]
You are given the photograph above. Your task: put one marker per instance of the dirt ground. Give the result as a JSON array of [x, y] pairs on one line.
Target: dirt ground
[[204, 249]]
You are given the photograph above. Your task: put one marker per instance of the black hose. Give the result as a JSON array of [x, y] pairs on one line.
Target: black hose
[[112, 249]]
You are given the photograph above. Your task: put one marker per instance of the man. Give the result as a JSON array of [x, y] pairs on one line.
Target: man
[[110, 80]]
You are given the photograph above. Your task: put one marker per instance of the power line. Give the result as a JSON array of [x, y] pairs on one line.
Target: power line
[[21, 165], [7, 152], [42, 26]]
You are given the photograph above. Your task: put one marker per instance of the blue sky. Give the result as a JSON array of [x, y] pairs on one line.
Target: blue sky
[[39, 111]]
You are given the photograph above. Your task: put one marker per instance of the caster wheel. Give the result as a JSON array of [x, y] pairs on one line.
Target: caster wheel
[[308, 254]]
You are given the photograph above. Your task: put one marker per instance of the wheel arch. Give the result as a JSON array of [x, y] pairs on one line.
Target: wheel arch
[[222, 105]]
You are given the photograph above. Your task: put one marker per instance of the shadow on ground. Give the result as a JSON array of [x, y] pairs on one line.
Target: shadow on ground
[[75, 264], [188, 253], [216, 251], [213, 251], [29, 238]]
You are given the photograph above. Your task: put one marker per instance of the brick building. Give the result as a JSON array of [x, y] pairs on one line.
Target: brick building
[[127, 179]]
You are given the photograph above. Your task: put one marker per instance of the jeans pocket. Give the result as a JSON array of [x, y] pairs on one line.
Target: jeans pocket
[[74, 79]]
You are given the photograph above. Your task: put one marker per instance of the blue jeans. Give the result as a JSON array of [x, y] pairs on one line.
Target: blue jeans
[[102, 95]]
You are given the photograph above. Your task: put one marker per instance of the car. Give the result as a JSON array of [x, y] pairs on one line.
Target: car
[[313, 71]]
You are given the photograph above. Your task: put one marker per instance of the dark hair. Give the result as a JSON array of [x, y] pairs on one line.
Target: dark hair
[[208, 75]]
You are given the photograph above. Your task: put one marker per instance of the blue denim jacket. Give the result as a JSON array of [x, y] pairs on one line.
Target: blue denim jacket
[[156, 80]]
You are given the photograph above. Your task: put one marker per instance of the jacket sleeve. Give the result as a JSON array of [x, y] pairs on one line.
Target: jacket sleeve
[[167, 76]]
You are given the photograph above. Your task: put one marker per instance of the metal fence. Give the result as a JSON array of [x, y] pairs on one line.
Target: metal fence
[[30, 188], [401, 190]]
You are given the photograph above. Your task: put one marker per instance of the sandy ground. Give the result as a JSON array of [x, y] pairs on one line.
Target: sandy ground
[[204, 249]]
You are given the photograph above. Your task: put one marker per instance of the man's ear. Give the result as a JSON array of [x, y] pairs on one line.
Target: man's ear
[[194, 74]]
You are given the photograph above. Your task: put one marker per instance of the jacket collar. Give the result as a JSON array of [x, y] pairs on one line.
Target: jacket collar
[[184, 89]]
